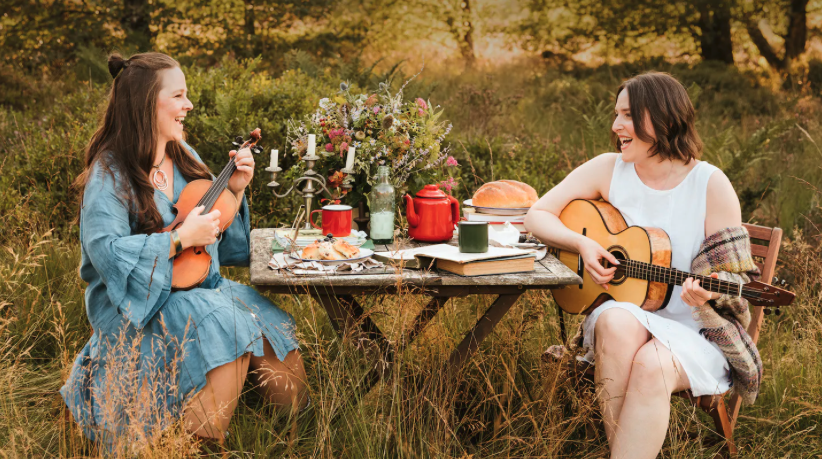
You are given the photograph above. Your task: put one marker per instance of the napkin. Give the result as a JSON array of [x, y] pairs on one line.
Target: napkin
[[281, 261], [505, 235]]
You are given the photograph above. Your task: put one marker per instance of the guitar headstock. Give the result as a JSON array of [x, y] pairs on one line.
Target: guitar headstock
[[769, 296], [251, 143]]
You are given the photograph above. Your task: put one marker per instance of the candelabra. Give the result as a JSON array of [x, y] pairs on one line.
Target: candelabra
[[314, 184]]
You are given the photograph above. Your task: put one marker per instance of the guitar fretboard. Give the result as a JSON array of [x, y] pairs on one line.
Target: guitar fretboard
[[654, 273]]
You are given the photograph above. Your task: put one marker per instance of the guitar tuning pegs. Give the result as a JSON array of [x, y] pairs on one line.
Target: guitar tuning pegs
[[778, 311], [256, 149], [775, 280], [767, 311], [238, 139]]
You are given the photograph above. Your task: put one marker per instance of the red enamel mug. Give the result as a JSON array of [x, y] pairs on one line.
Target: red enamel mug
[[336, 219]]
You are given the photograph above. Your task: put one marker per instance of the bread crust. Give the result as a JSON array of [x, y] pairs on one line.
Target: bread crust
[[311, 252], [506, 194], [347, 250]]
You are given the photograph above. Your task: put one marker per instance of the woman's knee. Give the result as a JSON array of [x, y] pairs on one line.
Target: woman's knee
[[618, 328], [654, 371]]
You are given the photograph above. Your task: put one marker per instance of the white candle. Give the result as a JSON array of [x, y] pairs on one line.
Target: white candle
[[274, 159], [349, 161], [312, 144]]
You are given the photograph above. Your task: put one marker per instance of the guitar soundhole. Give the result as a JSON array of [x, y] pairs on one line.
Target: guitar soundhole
[[620, 254]]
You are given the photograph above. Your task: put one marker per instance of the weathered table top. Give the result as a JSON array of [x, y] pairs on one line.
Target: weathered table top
[[548, 273]]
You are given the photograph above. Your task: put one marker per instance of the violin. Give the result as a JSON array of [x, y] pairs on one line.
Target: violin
[[191, 266]]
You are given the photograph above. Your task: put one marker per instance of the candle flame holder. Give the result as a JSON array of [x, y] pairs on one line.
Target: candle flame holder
[[314, 184]]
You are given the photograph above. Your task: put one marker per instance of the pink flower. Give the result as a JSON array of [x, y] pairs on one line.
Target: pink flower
[[376, 110], [343, 148], [448, 184], [329, 147], [419, 110], [451, 161], [422, 104]]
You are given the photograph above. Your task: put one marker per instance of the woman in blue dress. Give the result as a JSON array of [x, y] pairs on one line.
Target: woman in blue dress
[[157, 355]]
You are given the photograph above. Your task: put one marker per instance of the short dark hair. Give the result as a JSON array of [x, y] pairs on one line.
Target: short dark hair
[[671, 112]]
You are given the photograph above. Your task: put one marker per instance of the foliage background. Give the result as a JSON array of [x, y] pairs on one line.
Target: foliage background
[[529, 86]]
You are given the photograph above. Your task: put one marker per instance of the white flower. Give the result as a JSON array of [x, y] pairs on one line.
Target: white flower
[[325, 103]]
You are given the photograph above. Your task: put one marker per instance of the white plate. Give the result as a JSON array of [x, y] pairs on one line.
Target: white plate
[[364, 253], [496, 210]]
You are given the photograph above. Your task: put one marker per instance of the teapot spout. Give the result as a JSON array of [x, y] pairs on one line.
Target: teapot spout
[[411, 215]]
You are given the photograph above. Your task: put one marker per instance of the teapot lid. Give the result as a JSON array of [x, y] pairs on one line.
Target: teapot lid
[[431, 191]]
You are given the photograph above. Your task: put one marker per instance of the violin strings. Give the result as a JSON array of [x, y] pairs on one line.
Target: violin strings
[[210, 197]]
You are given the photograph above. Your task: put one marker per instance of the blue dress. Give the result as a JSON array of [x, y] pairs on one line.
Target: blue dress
[[151, 347]]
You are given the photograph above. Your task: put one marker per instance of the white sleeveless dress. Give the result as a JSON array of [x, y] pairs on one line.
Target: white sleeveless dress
[[681, 213]]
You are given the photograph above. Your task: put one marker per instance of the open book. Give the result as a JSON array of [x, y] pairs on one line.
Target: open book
[[424, 257]]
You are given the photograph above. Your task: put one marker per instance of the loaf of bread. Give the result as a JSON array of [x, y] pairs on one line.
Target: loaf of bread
[[506, 194]]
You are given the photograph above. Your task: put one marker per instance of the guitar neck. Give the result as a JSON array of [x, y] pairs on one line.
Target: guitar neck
[[671, 276]]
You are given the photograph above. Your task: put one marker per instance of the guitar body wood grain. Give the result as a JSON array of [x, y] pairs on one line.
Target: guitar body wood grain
[[603, 223]]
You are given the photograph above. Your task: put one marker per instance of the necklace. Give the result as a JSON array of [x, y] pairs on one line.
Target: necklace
[[159, 177]]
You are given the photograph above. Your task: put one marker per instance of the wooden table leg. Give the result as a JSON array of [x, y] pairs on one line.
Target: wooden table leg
[[482, 329], [426, 314]]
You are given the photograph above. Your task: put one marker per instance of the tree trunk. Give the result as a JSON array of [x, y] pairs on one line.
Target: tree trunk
[[136, 21], [252, 41], [797, 29], [467, 41], [715, 38], [463, 31], [762, 44]]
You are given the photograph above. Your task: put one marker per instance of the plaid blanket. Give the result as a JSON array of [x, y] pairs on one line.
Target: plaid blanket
[[724, 321]]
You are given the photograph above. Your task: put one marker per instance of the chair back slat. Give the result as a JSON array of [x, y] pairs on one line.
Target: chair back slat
[[759, 250], [759, 232], [769, 254]]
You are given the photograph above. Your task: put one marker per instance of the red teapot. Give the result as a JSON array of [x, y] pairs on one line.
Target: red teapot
[[432, 215]]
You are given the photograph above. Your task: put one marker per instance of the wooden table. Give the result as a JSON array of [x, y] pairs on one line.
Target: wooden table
[[336, 293]]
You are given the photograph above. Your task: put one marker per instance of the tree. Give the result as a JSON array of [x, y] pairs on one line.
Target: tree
[[569, 26], [792, 17]]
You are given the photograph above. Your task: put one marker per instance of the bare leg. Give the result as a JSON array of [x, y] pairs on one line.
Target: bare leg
[[655, 374], [618, 336], [283, 383], [209, 412]]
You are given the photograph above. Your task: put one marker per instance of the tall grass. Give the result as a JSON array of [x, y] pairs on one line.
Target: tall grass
[[524, 121]]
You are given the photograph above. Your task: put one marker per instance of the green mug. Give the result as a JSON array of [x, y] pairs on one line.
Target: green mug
[[473, 237]]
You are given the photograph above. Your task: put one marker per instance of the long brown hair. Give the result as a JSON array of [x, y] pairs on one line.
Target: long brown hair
[[126, 140], [671, 112]]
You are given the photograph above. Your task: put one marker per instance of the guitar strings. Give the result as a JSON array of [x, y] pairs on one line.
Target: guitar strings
[[639, 268]]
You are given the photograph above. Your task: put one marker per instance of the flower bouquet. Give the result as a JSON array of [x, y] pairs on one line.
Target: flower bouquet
[[385, 130]]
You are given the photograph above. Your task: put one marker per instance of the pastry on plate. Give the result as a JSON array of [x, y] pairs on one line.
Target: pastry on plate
[[327, 252], [347, 250], [312, 252]]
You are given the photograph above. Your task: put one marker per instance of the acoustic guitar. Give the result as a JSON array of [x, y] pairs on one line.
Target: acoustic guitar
[[644, 276]]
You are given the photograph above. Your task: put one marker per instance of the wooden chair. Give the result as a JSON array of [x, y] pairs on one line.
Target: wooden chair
[[765, 243]]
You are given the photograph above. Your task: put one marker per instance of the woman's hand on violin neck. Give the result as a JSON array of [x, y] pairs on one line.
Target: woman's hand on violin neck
[[199, 230], [245, 170]]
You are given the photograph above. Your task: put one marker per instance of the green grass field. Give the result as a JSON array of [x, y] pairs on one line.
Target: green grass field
[[526, 121]]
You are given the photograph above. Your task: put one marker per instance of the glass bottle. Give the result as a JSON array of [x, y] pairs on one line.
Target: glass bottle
[[382, 204]]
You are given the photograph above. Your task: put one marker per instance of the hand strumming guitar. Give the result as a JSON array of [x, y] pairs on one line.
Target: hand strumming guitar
[[592, 254]]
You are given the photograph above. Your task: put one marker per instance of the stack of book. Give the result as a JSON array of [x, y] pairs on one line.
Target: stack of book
[[446, 257], [498, 220]]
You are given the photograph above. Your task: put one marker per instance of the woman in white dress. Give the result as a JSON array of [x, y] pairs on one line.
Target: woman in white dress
[[656, 180]]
